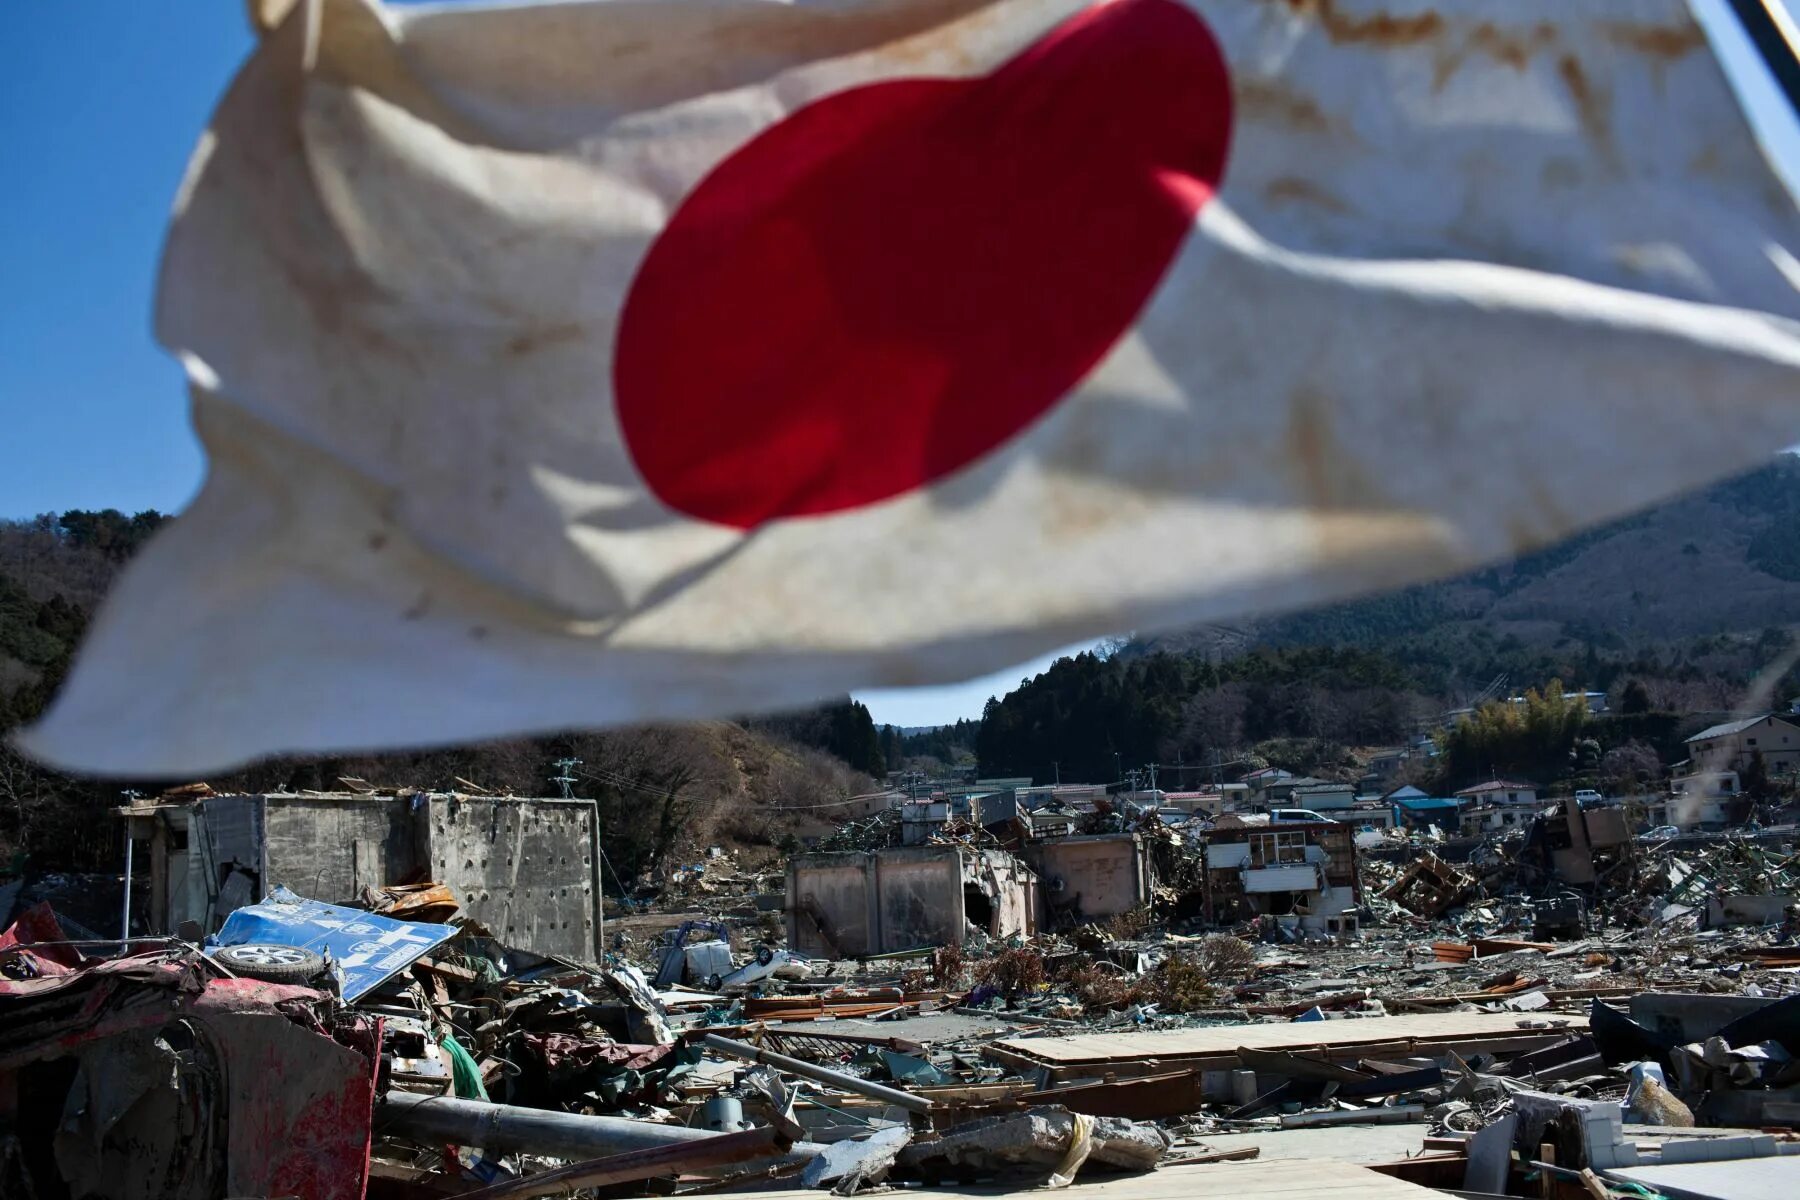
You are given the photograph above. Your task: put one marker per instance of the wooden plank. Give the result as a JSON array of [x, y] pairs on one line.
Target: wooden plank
[[1141, 1099], [1290, 1179], [1018, 1062], [1230, 1061], [1222, 1041]]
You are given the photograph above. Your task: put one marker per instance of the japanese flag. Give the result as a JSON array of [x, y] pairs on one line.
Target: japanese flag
[[568, 364]]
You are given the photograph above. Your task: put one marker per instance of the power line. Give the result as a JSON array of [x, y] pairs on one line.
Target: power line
[[830, 803], [624, 781]]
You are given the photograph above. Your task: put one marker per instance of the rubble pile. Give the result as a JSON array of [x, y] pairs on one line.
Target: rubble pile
[[980, 1007]]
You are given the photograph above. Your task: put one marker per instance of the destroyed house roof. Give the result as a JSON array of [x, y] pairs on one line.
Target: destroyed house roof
[[1497, 785], [1731, 727]]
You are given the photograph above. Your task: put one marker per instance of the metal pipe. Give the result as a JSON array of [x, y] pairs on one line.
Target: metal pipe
[[806, 1070], [640, 1164], [507, 1127], [125, 918]]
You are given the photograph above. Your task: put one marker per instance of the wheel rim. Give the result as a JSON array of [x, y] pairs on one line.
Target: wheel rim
[[269, 956]]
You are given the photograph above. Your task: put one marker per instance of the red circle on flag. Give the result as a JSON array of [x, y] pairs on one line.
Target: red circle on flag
[[900, 277]]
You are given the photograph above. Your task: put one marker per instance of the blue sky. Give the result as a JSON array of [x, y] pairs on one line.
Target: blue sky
[[100, 103]]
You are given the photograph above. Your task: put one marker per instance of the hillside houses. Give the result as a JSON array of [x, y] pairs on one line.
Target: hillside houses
[[1499, 791], [1733, 745], [1707, 792]]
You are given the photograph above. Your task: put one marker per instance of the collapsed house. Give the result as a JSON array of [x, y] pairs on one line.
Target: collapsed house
[[525, 868], [920, 821], [1578, 845]]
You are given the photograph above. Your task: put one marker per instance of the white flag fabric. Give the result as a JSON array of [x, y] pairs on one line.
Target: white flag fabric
[[571, 364]]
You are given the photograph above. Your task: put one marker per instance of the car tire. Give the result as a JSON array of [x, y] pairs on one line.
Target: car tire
[[270, 962], [765, 955]]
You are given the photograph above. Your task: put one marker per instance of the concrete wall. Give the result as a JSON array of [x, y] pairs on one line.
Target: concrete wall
[[1110, 872], [919, 898], [838, 888], [919, 821], [523, 867], [1607, 827], [330, 847], [1020, 897]]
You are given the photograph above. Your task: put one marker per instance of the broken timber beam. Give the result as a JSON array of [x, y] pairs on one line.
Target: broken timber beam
[[806, 1070]]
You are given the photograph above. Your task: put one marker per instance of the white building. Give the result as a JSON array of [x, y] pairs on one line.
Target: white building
[[1498, 791], [1731, 746]]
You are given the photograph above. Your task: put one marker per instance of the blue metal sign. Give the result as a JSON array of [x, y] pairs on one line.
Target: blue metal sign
[[365, 949]]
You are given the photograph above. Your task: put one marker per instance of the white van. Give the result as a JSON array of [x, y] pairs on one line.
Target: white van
[[1279, 816]]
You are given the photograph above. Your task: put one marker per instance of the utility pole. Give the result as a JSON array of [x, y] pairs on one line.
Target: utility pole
[[1056, 768], [1151, 768], [131, 799], [565, 780]]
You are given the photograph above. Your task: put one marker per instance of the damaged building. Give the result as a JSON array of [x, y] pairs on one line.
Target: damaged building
[[526, 868], [1089, 876], [1303, 872], [1577, 845], [859, 903], [903, 897]]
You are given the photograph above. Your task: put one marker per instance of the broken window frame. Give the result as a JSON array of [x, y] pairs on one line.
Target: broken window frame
[[1289, 849]]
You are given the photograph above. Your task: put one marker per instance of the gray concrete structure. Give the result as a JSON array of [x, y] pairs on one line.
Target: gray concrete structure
[[526, 868], [852, 904], [1110, 873]]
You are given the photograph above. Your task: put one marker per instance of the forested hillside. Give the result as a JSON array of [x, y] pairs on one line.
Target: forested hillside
[[1692, 602], [1723, 560], [664, 791]]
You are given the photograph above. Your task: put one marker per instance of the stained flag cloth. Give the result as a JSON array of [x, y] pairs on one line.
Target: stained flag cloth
[[572, 364]]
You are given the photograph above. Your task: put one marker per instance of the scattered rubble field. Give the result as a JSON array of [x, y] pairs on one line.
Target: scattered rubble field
[[1129, 1010]]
